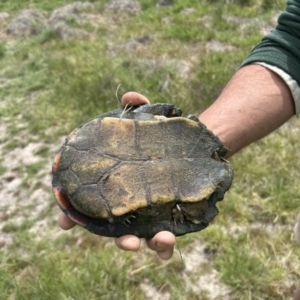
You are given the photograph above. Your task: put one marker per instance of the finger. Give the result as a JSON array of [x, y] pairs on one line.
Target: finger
[[64, 222], [128, 242], [163, 243], [133, 98]]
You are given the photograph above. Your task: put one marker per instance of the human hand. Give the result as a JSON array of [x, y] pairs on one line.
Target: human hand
[[163, 242]]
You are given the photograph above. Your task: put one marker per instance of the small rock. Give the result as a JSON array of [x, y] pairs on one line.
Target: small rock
[[68, 12], [182, 67], [188, 10], [144, 39], [131, 45], [131, 6], [64, 32], [3, 15], [28, 22], [164, 3], [217, 46]]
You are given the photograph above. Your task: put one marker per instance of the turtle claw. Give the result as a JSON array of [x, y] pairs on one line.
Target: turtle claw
[[126, 219], [177, 214]]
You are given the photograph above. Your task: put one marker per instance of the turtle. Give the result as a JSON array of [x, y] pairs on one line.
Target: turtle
[[141, 170]]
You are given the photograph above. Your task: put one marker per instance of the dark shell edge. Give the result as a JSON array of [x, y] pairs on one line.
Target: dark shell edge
[[116, 229]]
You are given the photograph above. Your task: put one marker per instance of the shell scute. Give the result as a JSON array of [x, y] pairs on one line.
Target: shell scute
[[89, 201], [89, 166]]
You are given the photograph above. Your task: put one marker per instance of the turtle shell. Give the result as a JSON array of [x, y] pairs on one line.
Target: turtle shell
[[140, 171]]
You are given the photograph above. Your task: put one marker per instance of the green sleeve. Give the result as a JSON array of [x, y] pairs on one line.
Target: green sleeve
[[281, 47]]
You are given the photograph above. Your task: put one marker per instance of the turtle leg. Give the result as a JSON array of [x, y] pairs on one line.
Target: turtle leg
[[177, 214], [216, 156], [192, 212], [125, 219]]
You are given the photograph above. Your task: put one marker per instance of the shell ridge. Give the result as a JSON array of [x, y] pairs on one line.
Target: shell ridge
[[99, 183], [147, 188], [114, 157], [137, 141], [111, 169], [70, 170], [200, 125], [104, 200], [175, 183], [61, 151]]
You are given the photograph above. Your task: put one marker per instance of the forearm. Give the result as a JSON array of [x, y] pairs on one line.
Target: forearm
[[253, 104]]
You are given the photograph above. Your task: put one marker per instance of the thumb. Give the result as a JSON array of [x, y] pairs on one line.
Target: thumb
[[133, 98]]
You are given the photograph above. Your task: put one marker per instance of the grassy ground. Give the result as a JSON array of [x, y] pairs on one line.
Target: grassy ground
[[183, 54]]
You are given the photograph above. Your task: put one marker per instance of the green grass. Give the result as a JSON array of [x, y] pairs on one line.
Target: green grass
[[48, 86]]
